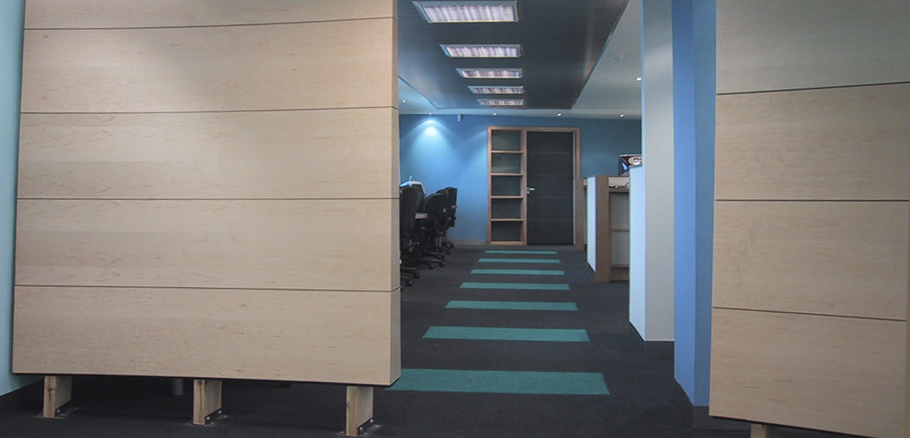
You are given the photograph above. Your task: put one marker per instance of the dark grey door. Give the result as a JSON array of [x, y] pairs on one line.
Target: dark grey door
[[550, 169]]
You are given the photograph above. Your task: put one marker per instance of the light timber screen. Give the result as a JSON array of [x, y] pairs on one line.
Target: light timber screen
[[209, 189], [811, 215]]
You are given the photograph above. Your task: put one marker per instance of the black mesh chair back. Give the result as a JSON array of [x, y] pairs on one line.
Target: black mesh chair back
[[421, 195], [453, 204], [407, 208]]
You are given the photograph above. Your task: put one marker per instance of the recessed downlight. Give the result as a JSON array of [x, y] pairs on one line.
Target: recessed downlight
[[502, 102], [482, 50], [491, 89], [490, 73], [468, 11]]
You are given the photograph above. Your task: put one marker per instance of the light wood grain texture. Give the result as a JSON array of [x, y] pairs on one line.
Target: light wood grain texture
[[787, 44], [847, 143], [269, 67], [84, 14], [257, 244], [206, 400], [359, 408], [833, 258], [818, 372], [348, 153], [316, 336], [58, 391], [608, 230]]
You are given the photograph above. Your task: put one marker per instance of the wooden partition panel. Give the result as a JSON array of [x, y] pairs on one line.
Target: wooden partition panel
[[209, 68], [300, 244], [812, 215], [793, 362], [814, 144], [209, 189], [211, 155], [95, 14], [830, 258], [230, 333]]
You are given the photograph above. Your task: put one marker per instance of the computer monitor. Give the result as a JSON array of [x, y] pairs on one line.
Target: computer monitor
[[627, 161]]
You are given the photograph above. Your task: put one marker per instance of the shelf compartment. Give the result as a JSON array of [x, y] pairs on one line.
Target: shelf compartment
[[505, 140], [505, 208], [505, 163], [504, 185], [506, 231]]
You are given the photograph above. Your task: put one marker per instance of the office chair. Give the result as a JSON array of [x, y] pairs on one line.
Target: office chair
[[407, 208], [432, 227], [421, 195], [452, 203]]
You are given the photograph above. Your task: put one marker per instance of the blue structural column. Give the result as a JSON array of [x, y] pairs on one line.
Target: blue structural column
[[694, 73], [12, 13]]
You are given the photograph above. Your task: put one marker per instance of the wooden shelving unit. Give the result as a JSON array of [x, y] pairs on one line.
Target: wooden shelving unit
[[507, 205]]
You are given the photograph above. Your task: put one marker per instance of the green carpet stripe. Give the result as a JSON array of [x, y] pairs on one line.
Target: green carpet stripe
[[509, 251], [501, 382], [518, 271], [507, 334], [515, 286], [511, 305], [489, 260]]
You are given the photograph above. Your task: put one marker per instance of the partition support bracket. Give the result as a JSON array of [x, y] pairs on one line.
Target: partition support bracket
[[765, 431], [206, 401], [58, 391], [359, 415]]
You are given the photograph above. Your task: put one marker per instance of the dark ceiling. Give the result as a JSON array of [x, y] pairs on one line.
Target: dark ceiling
[[561, 40]]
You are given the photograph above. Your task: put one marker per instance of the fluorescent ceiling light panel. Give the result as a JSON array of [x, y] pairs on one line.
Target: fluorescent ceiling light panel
[[482, 50], [496, 90], [490, 73], [468, 11], [502, 102]]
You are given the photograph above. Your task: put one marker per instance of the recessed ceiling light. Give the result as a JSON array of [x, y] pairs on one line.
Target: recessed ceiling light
[[490, 73], [494, 114], [501, 102], [404, 101], [638, 79], [492, 89], [622, 116], [482, 50], [558, 114], [468, 11]]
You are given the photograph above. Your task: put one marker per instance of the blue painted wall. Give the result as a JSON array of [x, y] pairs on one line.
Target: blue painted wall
[[694, 74], [11, 19], [441, 151]]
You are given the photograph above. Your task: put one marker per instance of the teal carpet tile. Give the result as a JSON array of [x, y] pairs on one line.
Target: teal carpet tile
[[510, 305], [501, 382], [515, 286], [507, 334]]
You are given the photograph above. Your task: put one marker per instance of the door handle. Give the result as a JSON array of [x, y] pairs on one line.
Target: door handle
[[530, 189]]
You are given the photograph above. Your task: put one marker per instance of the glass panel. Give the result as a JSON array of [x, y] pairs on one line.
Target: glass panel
[[506, 186], [505, 231], [505, 163], [505, 140], [505, 208]]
